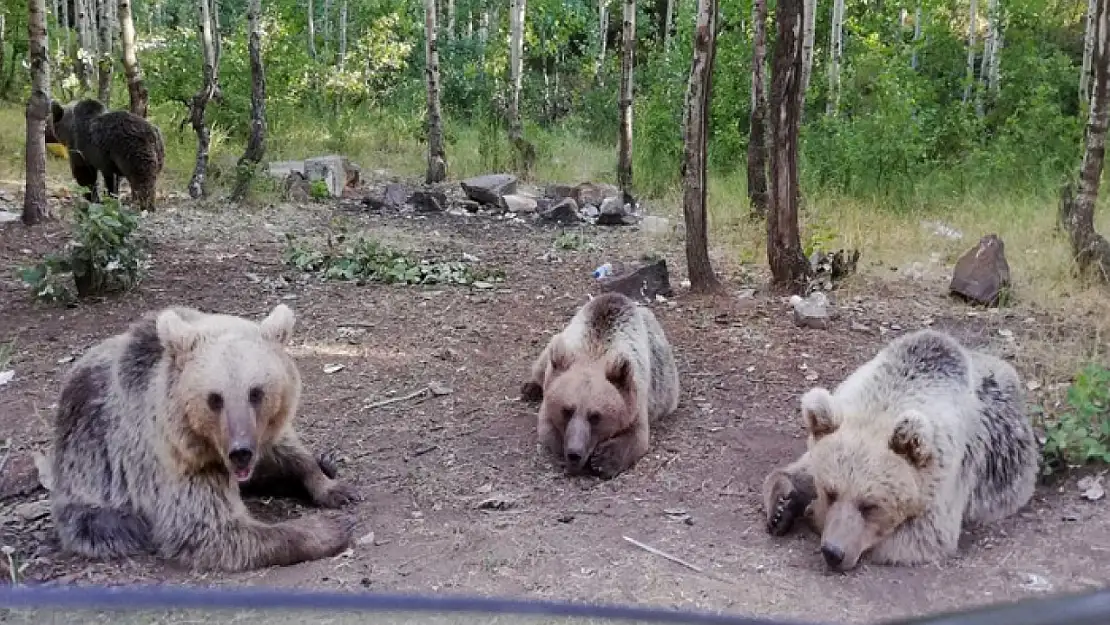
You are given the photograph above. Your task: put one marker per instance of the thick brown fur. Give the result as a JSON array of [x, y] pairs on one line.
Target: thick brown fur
[[113, 144], [602, 381], [159, 427]]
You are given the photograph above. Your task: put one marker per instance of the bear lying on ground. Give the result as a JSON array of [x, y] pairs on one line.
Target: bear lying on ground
[[602, 381], [159, 427], [115, 143], [925, 437]]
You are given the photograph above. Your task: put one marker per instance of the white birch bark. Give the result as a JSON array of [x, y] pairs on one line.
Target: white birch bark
[[972, 26], [836, 50]]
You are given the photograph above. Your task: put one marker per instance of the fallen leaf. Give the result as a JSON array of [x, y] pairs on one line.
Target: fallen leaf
[[329, 369]]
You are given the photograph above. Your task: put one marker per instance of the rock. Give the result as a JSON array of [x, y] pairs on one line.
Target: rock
[[282, 169], [594, 194], [613, 213], [429, 201], [565, 212], [336, 171], [8, 217], [470, 206], [811, 312], [559, 191], [982, 273], [590, 211], [395, 195], [518, 204], [33, 510], [643, 283], [488, 189], [20, 476]]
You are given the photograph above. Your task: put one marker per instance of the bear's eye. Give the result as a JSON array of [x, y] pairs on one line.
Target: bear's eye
[[568, 414], [867, 509], [831, 495], [255, 395], [594, 418], [215, 402]]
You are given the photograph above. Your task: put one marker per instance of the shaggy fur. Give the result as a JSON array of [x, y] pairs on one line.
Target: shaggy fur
[[157, 429], [114, 144], [602, 381], [925, 437]]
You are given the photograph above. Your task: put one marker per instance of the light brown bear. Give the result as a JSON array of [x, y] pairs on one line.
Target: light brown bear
[[925, 437], [158, 428], [603, 380]]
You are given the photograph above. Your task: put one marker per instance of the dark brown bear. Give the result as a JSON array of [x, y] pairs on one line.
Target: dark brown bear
[[112, 143]]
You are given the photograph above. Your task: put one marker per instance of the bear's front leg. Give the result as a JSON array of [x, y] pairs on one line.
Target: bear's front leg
[[618, 454], [289, 463], [244, 544], [86, 176], [787, 494]]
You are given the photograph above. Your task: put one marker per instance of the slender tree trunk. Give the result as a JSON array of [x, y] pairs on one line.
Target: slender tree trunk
[[437, 158], [256, 145], [65, 23], [624, 150], [450, 20], [81, 63], [789, 267], [199, 102], [1077, 211], [757, 122], [836, 51], [807, 42], [1085, 91], [989, 64], [311, 30], [603, 38], [327, 25], [523, 151], [972, 26], [668, 26], [35, 207], [699, 92], [916, 34], [136, 87], [342, 33]]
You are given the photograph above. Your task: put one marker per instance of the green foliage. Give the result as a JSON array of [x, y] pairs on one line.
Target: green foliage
[[7, 354], [105, 256], [1081, 433], [367, 260], [319, 190], [573, 241]]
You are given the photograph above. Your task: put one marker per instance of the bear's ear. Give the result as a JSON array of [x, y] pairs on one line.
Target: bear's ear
[[56, 111], [175, 333], [912, 439], [559, 356], [278, 325], [819, 413], [619, 373]]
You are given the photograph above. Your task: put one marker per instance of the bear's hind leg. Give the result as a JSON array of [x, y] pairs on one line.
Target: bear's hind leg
[[101, 532], [290, 468], [787, 493]]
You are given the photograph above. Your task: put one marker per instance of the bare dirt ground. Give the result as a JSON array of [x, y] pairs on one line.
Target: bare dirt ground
[[425, 465]]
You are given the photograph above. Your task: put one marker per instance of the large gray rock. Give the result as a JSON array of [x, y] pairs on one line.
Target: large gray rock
[[643, 283], [589, 193], [335, 170], [518, 204], [982, 273], [564, 212], [489, 189]]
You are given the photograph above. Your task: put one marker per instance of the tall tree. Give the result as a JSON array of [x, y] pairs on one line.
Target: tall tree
[[699, 92], [836, 54], [311, 30], [602, 36], [1088, 52], [808, 35], [35, 208], [84, 44], [524, 153], [342, 33], [1077, 210], [757, 121], [136, 87], [624, 150], [789, 267], [209, 90], [972, 29], [437, 158], [256, 145], [104, 64]]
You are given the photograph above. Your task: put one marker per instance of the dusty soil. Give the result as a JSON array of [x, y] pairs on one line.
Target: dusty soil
[[425, 465]]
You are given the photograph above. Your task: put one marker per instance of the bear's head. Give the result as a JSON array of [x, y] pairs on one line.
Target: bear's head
[[61, 124], [868, 477], [587, 402], [233, 387]]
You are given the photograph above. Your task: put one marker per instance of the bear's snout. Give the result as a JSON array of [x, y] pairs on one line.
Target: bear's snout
[[242, 461], [834, 556]]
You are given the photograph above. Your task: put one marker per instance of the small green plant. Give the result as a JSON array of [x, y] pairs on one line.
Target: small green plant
[[105, 256], [819, 238], [319, 190], [1081, 433], [572, 241], [367, 260], [7, 353]]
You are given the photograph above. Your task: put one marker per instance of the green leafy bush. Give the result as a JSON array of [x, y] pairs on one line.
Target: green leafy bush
[[1081, 433]]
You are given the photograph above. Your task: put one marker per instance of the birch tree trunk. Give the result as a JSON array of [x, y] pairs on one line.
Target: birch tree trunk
[[256, 145], [136, 87], [312, 30], [668, 26], [342, 33], [993, 64], [624, 149], [437, 158], [1077, 210], [65, 23], [807, 42], [757, 121], [603, 37], [916, 34], [699, 92], [1088, 51], [35, 207], [972, 26], [524, 153], [789, 267], [836, 51], [327, 25], [450, 20], [199, 103], [104, 58], [82, 65]]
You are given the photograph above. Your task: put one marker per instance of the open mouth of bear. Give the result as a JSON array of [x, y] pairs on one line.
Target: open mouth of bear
[[242, 474]]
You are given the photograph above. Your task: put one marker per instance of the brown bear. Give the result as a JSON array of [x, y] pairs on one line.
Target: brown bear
[[158, 428], [602, 381], [112, 143], [924, 438]]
